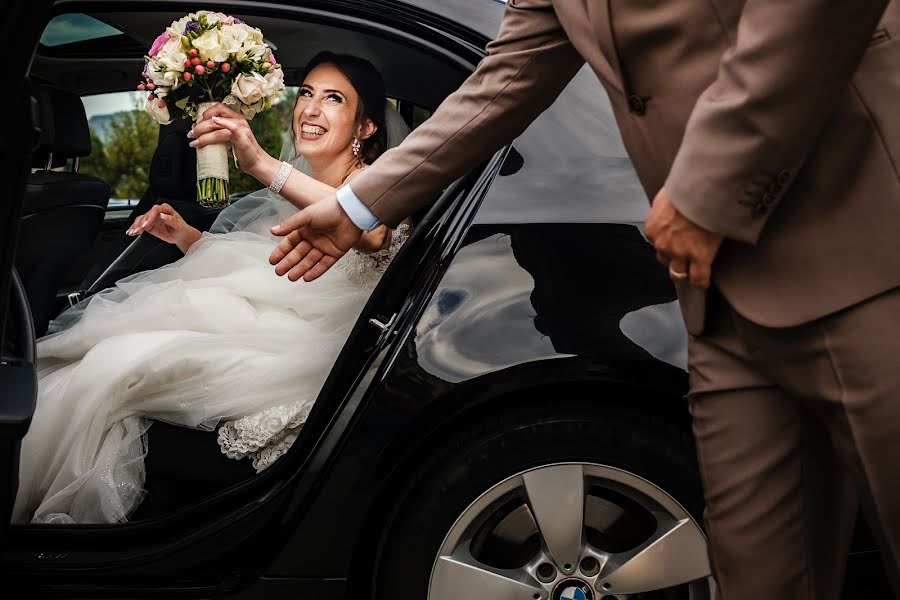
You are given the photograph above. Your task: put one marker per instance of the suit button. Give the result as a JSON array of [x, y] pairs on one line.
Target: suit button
[[637, 105], [783, 177]]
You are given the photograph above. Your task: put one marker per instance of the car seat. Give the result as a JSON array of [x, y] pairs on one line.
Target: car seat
[[63, 208], [172, 179]]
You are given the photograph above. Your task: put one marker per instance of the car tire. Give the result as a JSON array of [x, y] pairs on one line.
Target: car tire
[[600, 434]]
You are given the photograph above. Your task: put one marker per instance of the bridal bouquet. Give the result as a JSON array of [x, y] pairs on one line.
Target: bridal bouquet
[[200, 60]]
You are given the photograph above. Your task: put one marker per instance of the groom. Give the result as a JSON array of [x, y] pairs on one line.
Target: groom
[[767, 134]]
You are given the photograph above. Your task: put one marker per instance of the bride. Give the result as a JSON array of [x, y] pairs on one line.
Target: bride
[[216, 338]]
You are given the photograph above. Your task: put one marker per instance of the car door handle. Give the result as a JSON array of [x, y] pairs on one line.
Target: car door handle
[[384, 327]]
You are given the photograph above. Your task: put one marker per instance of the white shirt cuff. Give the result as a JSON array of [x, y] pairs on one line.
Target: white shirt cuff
[[358, 212]]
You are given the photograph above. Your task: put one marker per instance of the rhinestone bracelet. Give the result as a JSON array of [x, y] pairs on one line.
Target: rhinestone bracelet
[[284, 171]]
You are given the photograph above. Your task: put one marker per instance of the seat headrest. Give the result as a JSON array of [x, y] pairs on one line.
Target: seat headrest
[[64, 126], [173, 170]]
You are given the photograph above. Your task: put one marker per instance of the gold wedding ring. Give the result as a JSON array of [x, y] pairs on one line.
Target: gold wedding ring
[[677, 274]]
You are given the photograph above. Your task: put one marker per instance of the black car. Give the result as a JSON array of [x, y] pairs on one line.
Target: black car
[[506, 420]]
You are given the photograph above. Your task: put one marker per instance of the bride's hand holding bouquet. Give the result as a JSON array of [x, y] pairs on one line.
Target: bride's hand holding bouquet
[[223, 125], [203, 59]]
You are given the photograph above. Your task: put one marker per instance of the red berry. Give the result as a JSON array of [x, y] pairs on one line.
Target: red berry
[[188, 63], [226, 67], [142, 87], [199, 69], [193, 52], [195, 61], [151, 97], [162, 104], [210, 64], [151, 86], [186, 75]]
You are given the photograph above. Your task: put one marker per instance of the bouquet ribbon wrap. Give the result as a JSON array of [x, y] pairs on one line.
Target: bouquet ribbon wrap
[[212, 168]]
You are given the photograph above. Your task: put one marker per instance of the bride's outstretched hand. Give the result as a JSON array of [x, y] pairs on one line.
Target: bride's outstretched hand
[[164, 222], [314, 239]]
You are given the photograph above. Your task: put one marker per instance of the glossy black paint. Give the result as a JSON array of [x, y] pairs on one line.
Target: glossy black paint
[[503, 322]]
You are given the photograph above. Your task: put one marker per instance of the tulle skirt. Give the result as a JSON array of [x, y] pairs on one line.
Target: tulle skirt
[[213, 337]]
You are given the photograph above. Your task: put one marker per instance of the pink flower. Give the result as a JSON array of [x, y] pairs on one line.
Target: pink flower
[[272, 59], [158, 43]]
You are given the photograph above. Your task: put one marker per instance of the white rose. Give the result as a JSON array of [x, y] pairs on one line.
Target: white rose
[[252, 32], [159, 75], [161, 114], [228, 44], [236, 31], [254, 50], [172, 55], [249, 89], [274, 83], [208, 46], [217, 17], [176, 29]]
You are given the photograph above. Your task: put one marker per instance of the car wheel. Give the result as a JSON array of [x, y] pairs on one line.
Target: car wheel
[[552, 501]]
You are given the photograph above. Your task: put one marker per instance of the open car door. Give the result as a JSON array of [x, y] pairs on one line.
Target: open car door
[[20, 28]]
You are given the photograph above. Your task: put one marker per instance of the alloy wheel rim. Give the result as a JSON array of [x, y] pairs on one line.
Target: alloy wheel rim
[[573, 531]]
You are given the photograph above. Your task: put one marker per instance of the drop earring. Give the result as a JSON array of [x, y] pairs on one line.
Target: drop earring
[[357, 147]]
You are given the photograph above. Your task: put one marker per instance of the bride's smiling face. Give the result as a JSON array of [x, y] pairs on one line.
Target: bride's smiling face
[[325, 117]]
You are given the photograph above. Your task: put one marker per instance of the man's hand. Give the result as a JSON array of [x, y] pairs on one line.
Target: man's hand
[[685, 248], [314, 239]]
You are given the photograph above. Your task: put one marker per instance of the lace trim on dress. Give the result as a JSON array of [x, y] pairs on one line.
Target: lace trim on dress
[[266, 436], [365, 270]]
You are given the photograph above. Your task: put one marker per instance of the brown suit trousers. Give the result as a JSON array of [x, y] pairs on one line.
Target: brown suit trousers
[[792, 425], [774, 123]]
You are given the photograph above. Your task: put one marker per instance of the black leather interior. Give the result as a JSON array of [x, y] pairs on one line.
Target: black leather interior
[[63, 209], [64, 125], [173, 482], [172, 179]]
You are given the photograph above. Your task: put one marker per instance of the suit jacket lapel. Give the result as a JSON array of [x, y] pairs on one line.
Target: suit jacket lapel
[[598, 15]]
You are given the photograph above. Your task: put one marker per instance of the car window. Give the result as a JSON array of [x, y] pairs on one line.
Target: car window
[[123, 139], [124, 136], [75, 27], [413, 114]]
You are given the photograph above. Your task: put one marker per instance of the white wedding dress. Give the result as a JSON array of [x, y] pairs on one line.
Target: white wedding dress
[[215, 337]]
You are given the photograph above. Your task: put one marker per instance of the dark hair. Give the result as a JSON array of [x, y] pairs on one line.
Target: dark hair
[[369, 86]]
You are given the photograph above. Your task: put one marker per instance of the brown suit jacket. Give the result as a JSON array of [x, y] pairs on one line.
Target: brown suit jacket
[[773, 123]]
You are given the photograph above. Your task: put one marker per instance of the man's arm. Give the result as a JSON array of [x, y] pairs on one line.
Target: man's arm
[[525, 69], [752, 129], [356, 210]]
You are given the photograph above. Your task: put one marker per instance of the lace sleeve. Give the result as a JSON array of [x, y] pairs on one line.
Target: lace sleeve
[[365, 270]]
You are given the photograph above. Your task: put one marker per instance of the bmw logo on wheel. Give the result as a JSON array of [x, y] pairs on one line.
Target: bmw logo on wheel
[[573, 589]]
